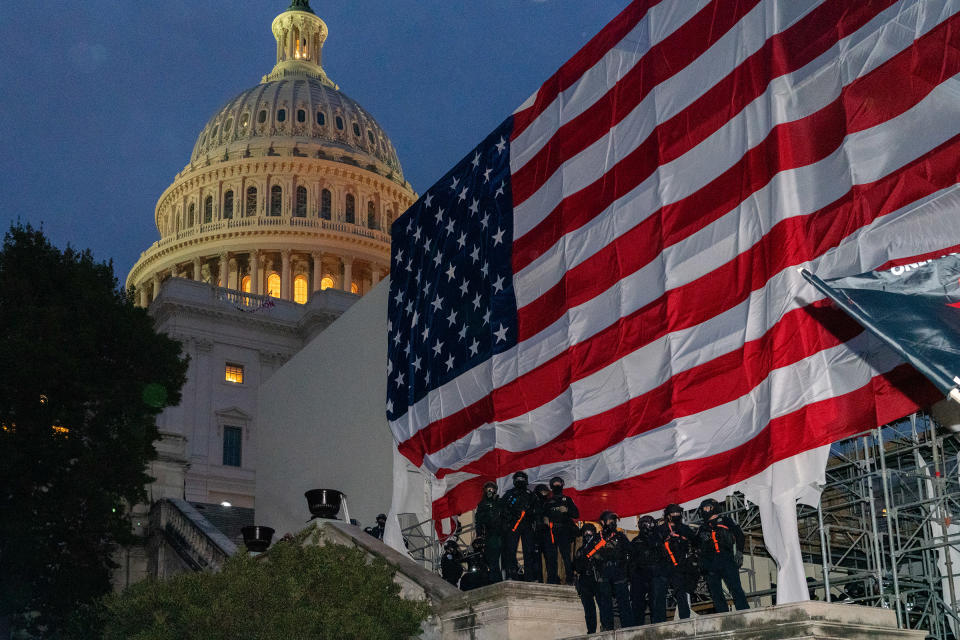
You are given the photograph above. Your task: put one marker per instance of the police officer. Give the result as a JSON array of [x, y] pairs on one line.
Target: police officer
[[489, 522], [451, 563], [541, 532], [585, 574], [679, 569], [561, 514], [721, 554], [646, 562], [377, 531], [613, 558], [519, 512], [476, 575]]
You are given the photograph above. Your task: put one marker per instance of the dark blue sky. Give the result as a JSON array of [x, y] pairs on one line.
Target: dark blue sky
[[102, 100]]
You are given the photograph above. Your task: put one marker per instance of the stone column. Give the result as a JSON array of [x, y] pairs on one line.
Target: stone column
[[144, 296], [317, 269], [255, 272], [233, 274], [374, 275], [222, 275], [347, 273], [285, 275], [197, 264], [156, 286]]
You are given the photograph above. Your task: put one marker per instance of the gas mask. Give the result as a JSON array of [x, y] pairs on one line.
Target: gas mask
[[556, 486], [520, 481]]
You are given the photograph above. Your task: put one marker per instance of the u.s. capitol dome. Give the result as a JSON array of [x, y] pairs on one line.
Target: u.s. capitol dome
[[291, 186]]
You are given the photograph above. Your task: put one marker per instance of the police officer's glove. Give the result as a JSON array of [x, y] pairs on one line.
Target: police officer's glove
[[562, 509], [738, 557]]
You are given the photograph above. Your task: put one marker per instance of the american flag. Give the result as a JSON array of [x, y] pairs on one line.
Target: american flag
[[606, 288]]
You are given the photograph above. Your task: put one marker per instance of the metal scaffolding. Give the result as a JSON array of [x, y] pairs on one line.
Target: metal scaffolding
[[884, 533]]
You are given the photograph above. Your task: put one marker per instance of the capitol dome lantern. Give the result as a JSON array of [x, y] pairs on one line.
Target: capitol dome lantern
[[291, 186]]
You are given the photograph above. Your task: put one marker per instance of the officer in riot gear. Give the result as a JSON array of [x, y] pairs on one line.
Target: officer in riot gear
[[613, 559], [489, 522], [646, 562], [679, 570], [519, 512], [476, 575], [451, 563], [721, 544], [377, 531], [541, 534], [585, 574], [560, 518]]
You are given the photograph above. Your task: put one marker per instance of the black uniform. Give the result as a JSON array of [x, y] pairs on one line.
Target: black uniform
[[585, 577], [646, 562], [519, 512], [721, 547], [613, 559], [489, 521], [541, 534], [476, 575], [679, 570], [451, 564], [560, 513]]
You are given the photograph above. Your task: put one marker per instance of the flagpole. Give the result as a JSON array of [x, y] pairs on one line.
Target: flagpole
[[924, 366]]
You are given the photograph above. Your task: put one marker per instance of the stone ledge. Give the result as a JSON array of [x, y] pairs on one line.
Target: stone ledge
[[798, 621]]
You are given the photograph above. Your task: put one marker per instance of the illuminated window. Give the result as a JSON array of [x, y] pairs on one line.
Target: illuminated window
[[228, 205], [325, 203], [321, 118], [281, 115], [273, 285], [276, 200], [301, 115], [251, 201], [234, 373], [300, 289], [245, 284], [244, 120], [356, 129], [232, 446], [351, 214], [371, 215], [326, 283], [354, 288], [340, 123], [301, 209], [208, 209]]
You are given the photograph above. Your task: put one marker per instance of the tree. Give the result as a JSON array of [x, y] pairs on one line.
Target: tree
[[294, 591], [83, 375]]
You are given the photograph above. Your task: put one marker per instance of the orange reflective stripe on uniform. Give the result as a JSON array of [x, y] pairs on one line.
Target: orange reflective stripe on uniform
[[716, 545], [552, 541], [666, 545], [602, 542], [517, 524]]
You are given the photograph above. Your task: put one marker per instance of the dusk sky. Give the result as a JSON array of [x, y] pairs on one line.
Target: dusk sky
[[102, 100]]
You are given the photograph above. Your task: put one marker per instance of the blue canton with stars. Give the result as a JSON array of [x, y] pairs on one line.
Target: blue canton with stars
[[451, 285]]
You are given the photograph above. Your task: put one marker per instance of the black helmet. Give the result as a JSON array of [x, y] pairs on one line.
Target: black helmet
[[646, 523], [609, 520], [490, 485], [556, 484], [520, 480], [672, 511], [542, 489], [451, 543], [588, 529], [708, 508], [381, 517], [478, 544]]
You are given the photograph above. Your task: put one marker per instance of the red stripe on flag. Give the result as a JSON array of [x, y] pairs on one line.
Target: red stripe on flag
[[792, 241], [864, 103], [801, 333], [664, 60], [582, 61], [678, 135], [886, 398]]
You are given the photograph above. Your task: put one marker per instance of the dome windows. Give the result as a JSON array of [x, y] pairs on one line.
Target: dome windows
[[370, 137], [276, 200], [244, 121], [273, 285], [208, 209], [281, 115], [251, 201], [216, 128], [326, 283], [325, 202], [227, 128], [228, 205], [339, 122], [301, 115], [351, 212], [191, 213], [321, 118], [356, 129], [372, 215], [300, 211], [300, 289], [262, 116]]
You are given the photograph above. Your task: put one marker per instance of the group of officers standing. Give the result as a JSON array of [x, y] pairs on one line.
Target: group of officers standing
[[666, 555]]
